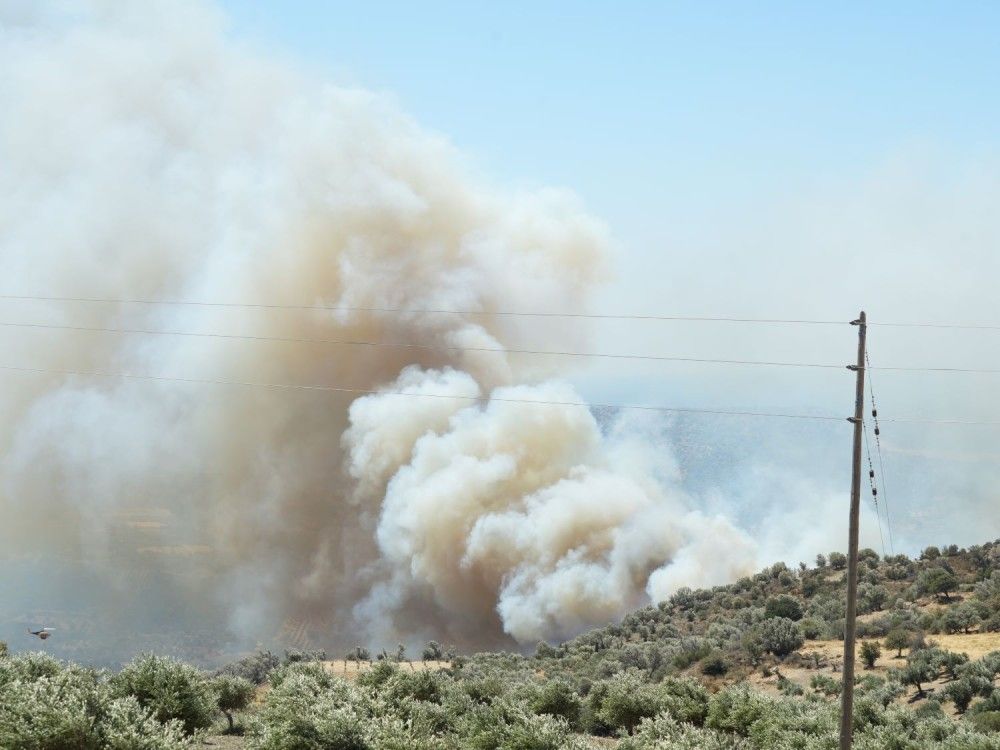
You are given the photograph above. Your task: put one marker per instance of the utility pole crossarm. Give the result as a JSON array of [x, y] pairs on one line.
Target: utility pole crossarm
[[850, 629]]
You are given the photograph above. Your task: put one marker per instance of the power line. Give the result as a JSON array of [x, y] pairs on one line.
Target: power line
[[878, 447], [432, 347], [498, 350], [981, 370], [966, 326], [871, 482], [365, 391], [499, 313], [419, 311], [370, 391], [920, 420]]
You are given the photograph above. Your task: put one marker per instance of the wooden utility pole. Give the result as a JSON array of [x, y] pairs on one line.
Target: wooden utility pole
[[847, 692]]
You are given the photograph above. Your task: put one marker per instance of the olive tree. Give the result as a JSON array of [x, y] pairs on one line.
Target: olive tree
[[232, 694], [870, 652], [169, 689], [896, 640], [779, 635]]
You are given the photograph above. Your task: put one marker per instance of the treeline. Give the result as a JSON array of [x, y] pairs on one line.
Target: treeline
[[668, 676], [159, 704]]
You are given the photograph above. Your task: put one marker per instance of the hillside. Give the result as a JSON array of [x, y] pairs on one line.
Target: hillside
[[754, 664]]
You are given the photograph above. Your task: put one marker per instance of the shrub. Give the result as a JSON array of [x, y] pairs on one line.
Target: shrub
[[421, 686], [623, 701], [950, 661], [544, 651], [737, 709], [664, 733], [916, 673], [986, 721], [825, 684], [838, 560], [937, 581], [315, 672], [46, 706], [169, 689], [961, 693], [295, 655], [788, 687], [872, 598], [715, 665], [870, 652], [126, 725], [232, 694], [989, 588], [961, 617], [868, 555], [897, 639], [557, 698], [783, 606], [509, 725], [49, 711], [683, 599], [308, 709], [780, 636], [256, 668], [378, 675], [684, 699], [358, 654], [811, 628]]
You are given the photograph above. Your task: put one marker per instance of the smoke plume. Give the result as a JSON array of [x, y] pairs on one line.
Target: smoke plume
[[144, 156]]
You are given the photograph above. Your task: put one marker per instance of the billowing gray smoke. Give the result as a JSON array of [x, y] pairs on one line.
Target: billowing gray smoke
[[144, 156]]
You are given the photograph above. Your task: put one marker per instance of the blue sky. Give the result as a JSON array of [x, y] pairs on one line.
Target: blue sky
[[764, 159], [686, 126], [683, 100]]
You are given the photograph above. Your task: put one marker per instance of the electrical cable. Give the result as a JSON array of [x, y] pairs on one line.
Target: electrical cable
[[432, 347], [502, 313], [871, 482], [370, 391], [878, 447], [417, 311], [448, 347]]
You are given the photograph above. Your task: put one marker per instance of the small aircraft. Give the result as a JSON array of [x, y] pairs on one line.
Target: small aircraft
[[42, 633]]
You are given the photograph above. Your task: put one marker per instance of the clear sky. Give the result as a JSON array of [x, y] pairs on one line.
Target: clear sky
[[646, 108], [672, 119], [765, 159]]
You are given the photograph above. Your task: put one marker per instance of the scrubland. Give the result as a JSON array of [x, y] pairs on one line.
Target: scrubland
[[753, 664]]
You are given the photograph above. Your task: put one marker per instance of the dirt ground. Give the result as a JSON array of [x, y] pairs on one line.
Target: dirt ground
[[351, 669], [223, 742], [831, 657], [973, 644]]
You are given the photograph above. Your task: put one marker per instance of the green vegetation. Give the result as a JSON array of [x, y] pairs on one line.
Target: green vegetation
[[232, 694], [170, 690], [690, 673], [870, 652]]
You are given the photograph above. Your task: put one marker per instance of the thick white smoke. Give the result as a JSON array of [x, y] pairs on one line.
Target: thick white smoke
[[524, 510], [144, 156]]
